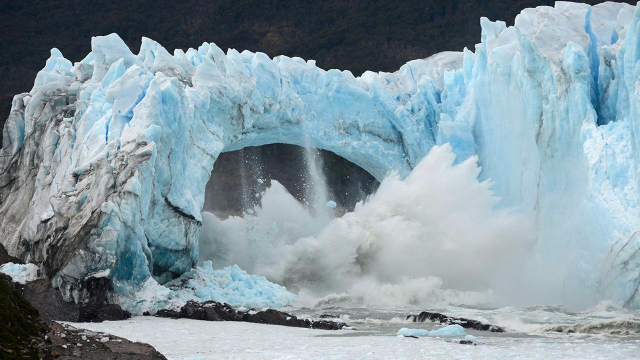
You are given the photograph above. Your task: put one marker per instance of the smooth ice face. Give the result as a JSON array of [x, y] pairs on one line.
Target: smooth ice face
[[105, 161]]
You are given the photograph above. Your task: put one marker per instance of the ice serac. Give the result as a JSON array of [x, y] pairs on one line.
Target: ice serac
[[105, 161]]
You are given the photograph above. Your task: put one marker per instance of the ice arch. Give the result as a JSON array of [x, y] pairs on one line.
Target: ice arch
[[120, 146]]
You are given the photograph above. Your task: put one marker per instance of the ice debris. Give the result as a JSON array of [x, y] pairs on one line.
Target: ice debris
[[447, 331], [20, 273], [229, 285]]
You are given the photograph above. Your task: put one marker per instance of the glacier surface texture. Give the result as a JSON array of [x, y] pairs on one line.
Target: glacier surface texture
[[105, 161]]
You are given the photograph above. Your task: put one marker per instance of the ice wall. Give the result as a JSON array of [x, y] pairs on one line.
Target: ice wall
[[105, 161], [536, 95]]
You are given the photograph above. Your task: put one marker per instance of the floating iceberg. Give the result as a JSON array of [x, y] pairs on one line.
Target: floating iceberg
[[447, 331], [105, 161]]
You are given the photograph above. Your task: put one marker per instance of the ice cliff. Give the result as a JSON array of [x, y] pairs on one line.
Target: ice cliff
[[105, 161]]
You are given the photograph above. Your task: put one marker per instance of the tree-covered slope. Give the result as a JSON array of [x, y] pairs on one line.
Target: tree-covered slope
[[18, 324]]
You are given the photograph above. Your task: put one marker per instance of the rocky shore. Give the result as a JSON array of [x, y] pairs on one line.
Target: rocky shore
[[450, 320], [24, 334], [215, 311]]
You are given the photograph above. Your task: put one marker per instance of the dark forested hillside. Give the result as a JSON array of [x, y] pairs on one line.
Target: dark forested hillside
[[357, 35]]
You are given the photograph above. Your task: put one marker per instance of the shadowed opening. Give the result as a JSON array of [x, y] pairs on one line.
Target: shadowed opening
[[239, 177]]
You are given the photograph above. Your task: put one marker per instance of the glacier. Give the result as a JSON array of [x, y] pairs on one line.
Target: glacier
[[105, 161]]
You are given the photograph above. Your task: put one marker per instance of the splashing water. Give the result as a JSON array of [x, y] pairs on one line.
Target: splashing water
[[245, 192], [435, 236], [316, 190]]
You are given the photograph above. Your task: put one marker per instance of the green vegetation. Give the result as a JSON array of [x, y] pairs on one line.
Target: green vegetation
[[18, 324], [356, 35]]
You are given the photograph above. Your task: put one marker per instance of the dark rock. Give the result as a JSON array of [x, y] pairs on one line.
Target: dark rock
[[449, 320], [146, 313], [466, 342], [114, 349], [210, 311], [215, 311], [166, 313], [49, 301], [97, 307], [24, 335], [328, 316], [109, 312], [275, 317], [6, 258], [411, 336], [327, 325], [52, 307], [98, 288]]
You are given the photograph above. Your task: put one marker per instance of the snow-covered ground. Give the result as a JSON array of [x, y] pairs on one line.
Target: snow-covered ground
[[192, 339]]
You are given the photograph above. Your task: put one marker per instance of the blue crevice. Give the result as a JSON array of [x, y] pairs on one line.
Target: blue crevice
[[594, 59], [106, 134]]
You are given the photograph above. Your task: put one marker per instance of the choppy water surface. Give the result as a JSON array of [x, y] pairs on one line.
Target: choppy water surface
[[605, 324]]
